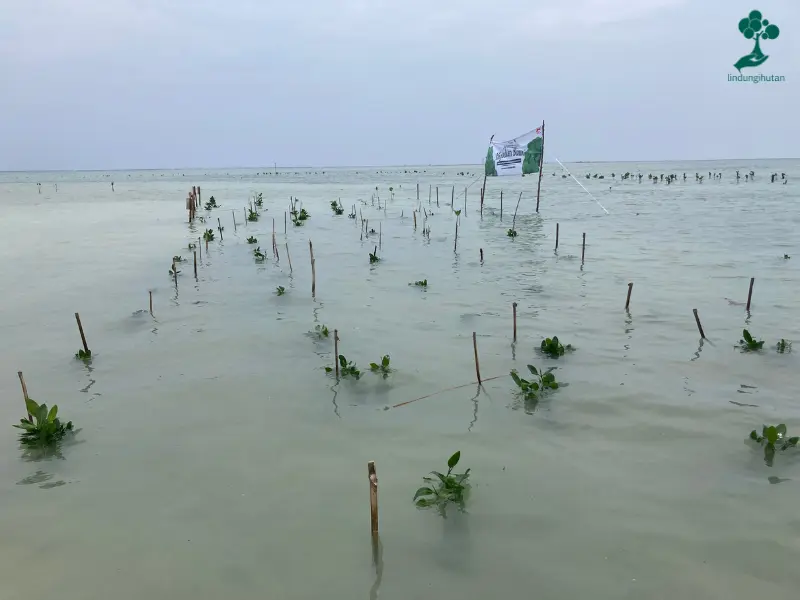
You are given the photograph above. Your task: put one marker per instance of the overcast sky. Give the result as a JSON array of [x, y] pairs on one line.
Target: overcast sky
[[104, 84]]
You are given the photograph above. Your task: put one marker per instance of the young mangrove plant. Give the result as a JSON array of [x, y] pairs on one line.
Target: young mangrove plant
[[382, 367], [208, 235], [322, 331], [280, 290], [83, 355], [211, 203], [373, 256], [542, 383], [346, 369], [748, 343], [252, 240], [784, 346], [258, 254], [177, 259], [252, 215], [259, 200], [192, 246], [553, 348], [445, 488], [300, 216], [42, 427], [423, 283], [772, 439], [511, 233], [337, 210]]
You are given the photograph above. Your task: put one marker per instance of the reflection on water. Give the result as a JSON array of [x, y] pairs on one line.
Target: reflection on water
[[377, 562]]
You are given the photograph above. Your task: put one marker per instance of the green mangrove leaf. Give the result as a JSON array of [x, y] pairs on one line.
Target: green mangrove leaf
[[781, 429], [754, 435], [772, 435], [453, 460], [423, 491], [32, 406], [51, 416], [385, 361], [747, 337], [533, 370]]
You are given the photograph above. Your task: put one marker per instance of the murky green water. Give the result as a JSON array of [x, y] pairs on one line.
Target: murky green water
[[216, 459]]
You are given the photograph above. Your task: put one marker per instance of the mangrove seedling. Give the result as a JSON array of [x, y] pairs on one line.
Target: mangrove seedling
[[192, 246], [373, 256], [337, 210], [258, 254], [177, 259], [208, 235], [511, 233], [84, 355], [259, 201], [302, 215], [280, 290], [322, 331], [346, 369], [553, 348], [252, 240], [445, 488], [423, 283], [252, 215], [42, 427], [773, 438], [748, 344], [784, 346], [382, 367], [211, 203], [543, 382]]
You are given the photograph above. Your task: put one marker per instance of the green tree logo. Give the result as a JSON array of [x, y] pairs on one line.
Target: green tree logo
[[491, 168], [754, 27], [533, 156]]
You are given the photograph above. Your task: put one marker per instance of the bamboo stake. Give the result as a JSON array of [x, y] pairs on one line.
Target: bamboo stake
[[699, 326], [514, 308], [556, 236], [336, 350], [25, 393], [750, 293], [313, 269], [200, 246], [415, 220], [437, 196], [481, 255], [583, 248], [284, 222], [195, 265], [289, 257], [219, 226], [541, 164], [83, 336], [199, 201], [455, 244], [628, 299], [465, 202], [244, 211], [418, 191], [380, 234], [233, 215], [501, 205], [373, 496], [151, 302], [453, 199], [477, 364]]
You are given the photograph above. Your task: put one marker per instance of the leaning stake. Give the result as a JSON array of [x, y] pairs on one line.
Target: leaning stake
[[628, 299], [373, 495], [699, 326], [313, 269], [750, 293], [83, 337], [151, 302], [25, 393], [583, 248], [289, 257], [556, 236], [477, 364]]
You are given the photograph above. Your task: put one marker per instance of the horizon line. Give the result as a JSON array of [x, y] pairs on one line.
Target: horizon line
[[397, 166]]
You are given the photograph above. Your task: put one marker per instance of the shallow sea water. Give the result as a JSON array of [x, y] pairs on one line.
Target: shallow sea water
[[216, 458]]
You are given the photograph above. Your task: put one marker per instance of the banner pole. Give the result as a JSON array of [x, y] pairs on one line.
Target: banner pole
[[541, 165]]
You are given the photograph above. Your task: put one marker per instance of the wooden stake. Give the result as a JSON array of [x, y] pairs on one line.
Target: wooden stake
[[373, 496], [429, 194], [481, 255], [628, 299], [199, 201], [417, 191], [313, 269], [151, 301], [289, 257], [699, 326], [514, 308], [750, 293], [380, 234], [437, 196], [336, 350], [455, 244], [556, 236], [477, 364], [25, 393], [415, 220], [83, 337], [200, 247], [284, 222], [453, 199], [195, 265], [465, 202], [583, 248], [501, 205], [233, 214], [219, 226], [244, 211]]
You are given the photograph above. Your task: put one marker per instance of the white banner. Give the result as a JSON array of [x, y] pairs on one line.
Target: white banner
[[520, 156]]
